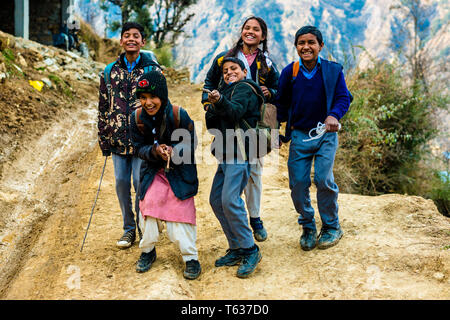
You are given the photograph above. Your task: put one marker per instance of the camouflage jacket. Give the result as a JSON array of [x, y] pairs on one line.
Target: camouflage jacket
[[114, 115]]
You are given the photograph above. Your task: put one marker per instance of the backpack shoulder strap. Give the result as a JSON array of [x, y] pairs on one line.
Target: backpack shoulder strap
[[176, 115], [107, 73], [295, 69], [137, 118]]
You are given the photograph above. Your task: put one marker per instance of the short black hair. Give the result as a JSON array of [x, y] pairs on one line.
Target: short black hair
[[234, 60], [309, 29], [130, 25]]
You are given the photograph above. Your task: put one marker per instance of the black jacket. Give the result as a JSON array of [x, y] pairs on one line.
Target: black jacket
[[182, 176], [238, 102]]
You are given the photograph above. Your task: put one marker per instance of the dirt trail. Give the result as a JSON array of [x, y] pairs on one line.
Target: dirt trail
[[394, 247]]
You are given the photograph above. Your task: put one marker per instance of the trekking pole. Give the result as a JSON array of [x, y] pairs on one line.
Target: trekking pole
[[93, 206]]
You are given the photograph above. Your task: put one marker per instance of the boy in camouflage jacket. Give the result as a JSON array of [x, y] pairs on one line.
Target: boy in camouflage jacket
[[117, 101]]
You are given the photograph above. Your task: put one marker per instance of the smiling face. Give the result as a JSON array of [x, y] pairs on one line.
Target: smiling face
[[150, 103], [251, 33], [308, 48], [132, 41], [232, 72]]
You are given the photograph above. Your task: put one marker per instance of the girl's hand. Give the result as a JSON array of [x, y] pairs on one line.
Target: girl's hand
[[163, 151], [214, 96], [266, 91]]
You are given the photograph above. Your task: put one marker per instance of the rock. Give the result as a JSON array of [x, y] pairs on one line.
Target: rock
[[39, 65], [49, 61], [22, 60], [47, 82], [17, 68], [54, 68], [73, 55], [439, 276]]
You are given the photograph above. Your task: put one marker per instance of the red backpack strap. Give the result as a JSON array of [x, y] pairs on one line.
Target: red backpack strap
[[176, 115], [295, 69], [137, 117]]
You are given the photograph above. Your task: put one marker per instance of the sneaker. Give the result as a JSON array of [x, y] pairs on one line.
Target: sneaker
[[127, 240], [249, 262], [329, 237], [308, 240], [192, 270], [145, 261], [231, 258], [259, 232]]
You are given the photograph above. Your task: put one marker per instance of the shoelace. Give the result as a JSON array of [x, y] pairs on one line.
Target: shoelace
[[320, 130], [127, 237]]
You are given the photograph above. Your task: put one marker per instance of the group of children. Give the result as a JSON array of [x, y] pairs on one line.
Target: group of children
[[238, 83]]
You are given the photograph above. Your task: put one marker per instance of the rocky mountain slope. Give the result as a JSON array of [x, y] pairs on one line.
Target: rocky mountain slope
[[373, 25]]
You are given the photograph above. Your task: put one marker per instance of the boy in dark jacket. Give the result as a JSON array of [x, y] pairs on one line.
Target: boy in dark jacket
[[318, 93], [117, 100], [236, 103], [252, 50], [167, 184]]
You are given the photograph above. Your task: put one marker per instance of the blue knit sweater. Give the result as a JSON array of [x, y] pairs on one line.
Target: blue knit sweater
[[304, 102]]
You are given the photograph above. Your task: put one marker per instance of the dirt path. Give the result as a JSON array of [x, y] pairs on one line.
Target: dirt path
[[394, 247]]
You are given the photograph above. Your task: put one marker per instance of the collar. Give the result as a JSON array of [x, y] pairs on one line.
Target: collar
[[315, 67], [131, 66]]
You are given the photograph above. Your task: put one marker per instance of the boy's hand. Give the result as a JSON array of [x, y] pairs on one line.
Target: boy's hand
[[331, 124], [214, 96], [266, 91], [163, 151]]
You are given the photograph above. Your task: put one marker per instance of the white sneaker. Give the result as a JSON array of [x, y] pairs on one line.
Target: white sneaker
[[126, 240]]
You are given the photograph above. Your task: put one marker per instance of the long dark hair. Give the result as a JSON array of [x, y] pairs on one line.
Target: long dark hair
[[260, 57]]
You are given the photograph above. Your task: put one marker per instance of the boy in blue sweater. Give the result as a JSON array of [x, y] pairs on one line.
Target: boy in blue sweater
[[316, 93]]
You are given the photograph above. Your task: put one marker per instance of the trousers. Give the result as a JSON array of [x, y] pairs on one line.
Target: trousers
[[301, 155]]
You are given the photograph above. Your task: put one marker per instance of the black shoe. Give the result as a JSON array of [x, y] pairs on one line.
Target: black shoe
[[231, 258], [250, 259], [145, 261], [308, 240], [192, 270], [259, 232], [127, 239]]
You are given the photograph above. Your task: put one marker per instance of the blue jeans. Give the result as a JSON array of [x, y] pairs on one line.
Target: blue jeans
[[126, 167], [228, 206], [301, 155]]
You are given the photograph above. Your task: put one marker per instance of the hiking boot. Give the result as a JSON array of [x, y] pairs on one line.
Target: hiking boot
[[329, 237], [127, 239], [259, 232], [250, 259], [145, 261], [192, 270], [308, 240], [231, 258]]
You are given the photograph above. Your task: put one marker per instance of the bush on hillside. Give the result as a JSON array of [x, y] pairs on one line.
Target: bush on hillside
[[386, 133], [163, 54]]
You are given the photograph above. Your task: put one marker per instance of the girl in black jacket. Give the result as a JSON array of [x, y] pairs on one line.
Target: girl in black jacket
[[168, 176]]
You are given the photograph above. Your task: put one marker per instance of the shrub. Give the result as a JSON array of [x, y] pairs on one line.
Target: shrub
[[386, 133]]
